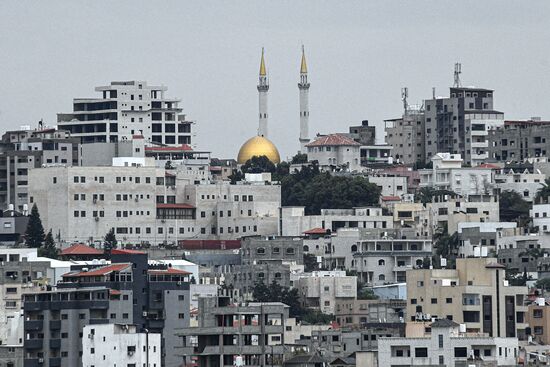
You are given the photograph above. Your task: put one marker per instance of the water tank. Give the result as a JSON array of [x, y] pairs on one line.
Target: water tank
[[462, 328]]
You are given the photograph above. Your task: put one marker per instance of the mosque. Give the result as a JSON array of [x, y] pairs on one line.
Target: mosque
[[260, 144]]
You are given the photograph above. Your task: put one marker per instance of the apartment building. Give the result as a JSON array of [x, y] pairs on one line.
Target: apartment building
[[25, 149], [265, 259], [475, 294], [445, 344], [390, 185], [371, 154], [13, 226], [128, 291], [321, 290], [460, 124], [481, 238], [448, 174], [540, 215], [524, 183], [538, 319], [236, 334], [360, 312], [149, 205], [386, 260], [518, 140], [406, 135], [294, 222], [334, 152], [125, 109], [119, 345]]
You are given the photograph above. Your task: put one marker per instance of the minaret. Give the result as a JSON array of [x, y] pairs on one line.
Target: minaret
[[263, 87], [303, 86]]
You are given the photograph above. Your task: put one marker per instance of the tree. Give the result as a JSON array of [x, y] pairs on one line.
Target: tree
[[310, 263], [277, 293], [258, 164], [543, 284], [48, 249], [299, 159], [35, 231], [426, 194], [235, 176], [110, 241], [512, 208], [426, 262], [446, 246], [544, 192], [534, 253], [366, 293]]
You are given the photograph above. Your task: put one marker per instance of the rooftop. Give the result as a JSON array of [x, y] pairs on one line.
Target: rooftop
[[80, 249], [332, 140]]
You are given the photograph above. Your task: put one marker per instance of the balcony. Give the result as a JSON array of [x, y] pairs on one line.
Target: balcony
[[98, 321], [33, 344], [55, 324], [55, 362], [33, 325], [34, 362], [55, 343]]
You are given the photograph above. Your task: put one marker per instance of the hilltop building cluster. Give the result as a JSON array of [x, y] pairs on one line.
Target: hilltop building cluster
[[429, 248]]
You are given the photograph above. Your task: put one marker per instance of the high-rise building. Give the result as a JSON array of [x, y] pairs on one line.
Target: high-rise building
[[406, 135], [303, 86], [25, 149], [125, 109], [460, 124], [519, 140]]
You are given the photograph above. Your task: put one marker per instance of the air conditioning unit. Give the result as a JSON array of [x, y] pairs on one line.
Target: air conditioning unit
[[144, 314], [40, 360]]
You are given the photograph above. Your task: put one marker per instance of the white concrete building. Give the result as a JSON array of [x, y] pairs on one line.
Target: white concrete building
[[448, 174], [321, 289], [446, 345], [390, 185], [335, 152], [125, 109], [479, 239], [540, 214], [150, 205], [294, 222], [524, 183], [119, 345]]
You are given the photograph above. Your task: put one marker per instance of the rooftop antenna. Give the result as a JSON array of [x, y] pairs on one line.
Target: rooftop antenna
[[404, 95], [458, 71], [433, 92]]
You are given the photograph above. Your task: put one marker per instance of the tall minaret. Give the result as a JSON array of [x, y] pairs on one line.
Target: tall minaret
[[303, 86], [263, 87]]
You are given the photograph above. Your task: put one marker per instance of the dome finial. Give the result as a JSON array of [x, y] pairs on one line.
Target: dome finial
[[303, 66]]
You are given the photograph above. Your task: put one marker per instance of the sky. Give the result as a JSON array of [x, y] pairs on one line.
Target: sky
[[359, 53]]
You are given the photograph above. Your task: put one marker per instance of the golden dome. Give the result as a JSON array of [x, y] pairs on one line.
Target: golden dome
[[258, 146]]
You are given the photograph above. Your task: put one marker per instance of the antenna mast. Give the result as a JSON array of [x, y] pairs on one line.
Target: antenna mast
[[458, 71], [404, 96]]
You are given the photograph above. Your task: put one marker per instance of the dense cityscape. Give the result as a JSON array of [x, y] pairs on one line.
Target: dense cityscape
[[128, 239]]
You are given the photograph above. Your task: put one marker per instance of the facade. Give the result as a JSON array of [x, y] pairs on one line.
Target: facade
[[321, 290], [475, 293], [125, 109], [460, 124], [335, 152], [386, 260], [519, 140], [481, 238], [390, 185], [448, 174], [236, 334], [128, 291], [538, 318], [447, 345], [149, 205], [370, 152], [406, 136], [13, 226], [294, 222], [524, 183], [360, 312], [540, 214], [119, 345], [25, 149]]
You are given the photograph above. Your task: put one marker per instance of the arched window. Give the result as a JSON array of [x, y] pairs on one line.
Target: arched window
[[381, 262], [260, 250], [277, 275], [354, 248], [276, 250], [306, 248], [381, 277], [261, 275], [419, 262]]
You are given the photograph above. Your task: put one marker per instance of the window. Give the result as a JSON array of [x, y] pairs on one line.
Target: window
[[539, 330], [537, 314], [381, 262], [420, 352], [461, 352], [382, 277], [181, 316], [448, 300], [440, 340], [434, 301]]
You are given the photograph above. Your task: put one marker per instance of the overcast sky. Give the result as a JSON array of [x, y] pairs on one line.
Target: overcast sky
[[360, 54]]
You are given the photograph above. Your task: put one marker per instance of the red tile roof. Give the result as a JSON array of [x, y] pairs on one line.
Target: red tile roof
[[183, 147], [81, 249], [114, 292], [331, 140], [126, 252], [175, 206], [391, 198], [137, 137], [104, 270], [316, 231], [488, 165], [168, 271]]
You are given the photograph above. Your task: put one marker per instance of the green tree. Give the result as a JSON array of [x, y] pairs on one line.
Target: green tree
[[366, 293], [534, 253], [110, 241], [34, 235], [258, 164], [512, 208], [236, 176], [48, 249], [446, 245], [299, 159], [426, 194], [310, 263], [543, 284], [277, 293], [316, 317], [544, 192]]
